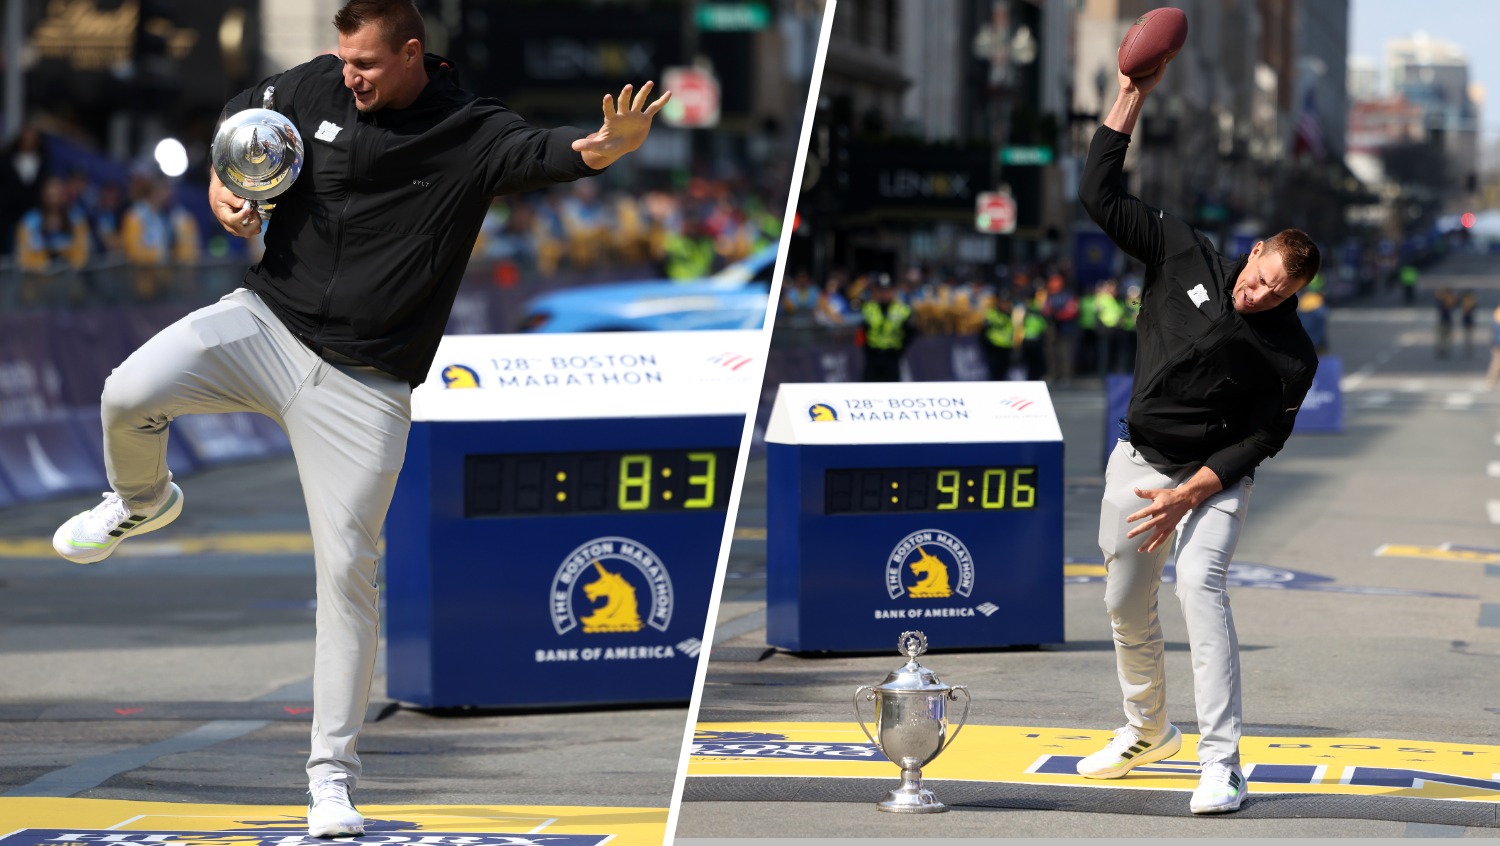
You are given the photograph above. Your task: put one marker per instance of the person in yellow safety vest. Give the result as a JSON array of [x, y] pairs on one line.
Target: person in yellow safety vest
[[1034, 336], [1312, 310], [1088, 323], [1127, 328], [999, 336], [1109, 313], [690, 255], [887, 332], [1409, 283]]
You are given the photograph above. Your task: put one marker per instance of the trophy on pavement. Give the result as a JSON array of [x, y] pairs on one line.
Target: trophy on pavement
[[257, 154], [911, 722]]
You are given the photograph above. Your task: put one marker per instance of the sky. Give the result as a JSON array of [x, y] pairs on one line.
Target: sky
[[1473, 25]]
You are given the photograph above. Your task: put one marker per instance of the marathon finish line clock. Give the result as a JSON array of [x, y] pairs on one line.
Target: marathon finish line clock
[[560, 512], [931, 502]]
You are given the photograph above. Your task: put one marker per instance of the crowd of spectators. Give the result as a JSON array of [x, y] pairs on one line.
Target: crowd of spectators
[[681, 234], [66, 229], [1033, 322]]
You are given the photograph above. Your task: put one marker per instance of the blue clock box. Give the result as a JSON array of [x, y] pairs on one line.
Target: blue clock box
[[557, 524], [934, 506]]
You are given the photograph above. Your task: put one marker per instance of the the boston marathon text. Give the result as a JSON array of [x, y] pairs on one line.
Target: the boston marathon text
[[907, 408], [580, 370]]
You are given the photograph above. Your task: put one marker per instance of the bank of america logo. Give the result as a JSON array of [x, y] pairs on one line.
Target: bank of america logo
[[1018, 403], [690, 647], [988, 608]]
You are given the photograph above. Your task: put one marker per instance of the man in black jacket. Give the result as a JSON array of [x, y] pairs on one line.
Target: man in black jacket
[[338, 322], [1222, 366]]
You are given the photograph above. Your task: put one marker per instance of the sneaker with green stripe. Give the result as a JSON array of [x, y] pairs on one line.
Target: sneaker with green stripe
[[93, 535], [1221, 788], [1129, 750]]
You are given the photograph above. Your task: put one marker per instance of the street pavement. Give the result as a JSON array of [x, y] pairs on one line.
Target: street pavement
[[213, 615], [1413, 466]]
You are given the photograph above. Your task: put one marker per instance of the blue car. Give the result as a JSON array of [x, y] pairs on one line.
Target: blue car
[[733, 298]]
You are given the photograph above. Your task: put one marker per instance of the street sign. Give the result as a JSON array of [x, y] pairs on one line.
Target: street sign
[[695, 98], [995, 212], [733, 17], [1025, 155]]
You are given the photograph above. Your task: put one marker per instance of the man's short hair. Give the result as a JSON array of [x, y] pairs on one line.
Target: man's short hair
[[399, 20], [1299, 255]]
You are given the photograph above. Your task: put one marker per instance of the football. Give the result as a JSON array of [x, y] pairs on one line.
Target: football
[[1155, 38]]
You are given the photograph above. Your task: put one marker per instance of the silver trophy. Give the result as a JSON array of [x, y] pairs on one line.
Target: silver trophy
[[911, 722], [258, 154]]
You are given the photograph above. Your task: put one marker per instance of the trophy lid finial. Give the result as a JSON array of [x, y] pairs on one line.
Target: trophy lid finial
[[913, 677], [912, 644]]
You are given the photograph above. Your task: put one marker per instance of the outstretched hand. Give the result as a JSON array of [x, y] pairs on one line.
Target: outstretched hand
[[1133, 90], [1169, 505], [1142, 84], [1167, 508], [625, 127]]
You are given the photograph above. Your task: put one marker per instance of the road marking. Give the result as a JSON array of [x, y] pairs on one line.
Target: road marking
[[135, 822], [1493, 507], [1489, 616], [226, 543], [1049, 756], [1459, 401], [1357, 378], [92, 772], [1493, 469], [756, 532], [1376, 398], [1437, 553]]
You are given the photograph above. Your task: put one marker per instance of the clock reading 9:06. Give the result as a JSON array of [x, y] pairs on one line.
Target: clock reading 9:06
[[555, 484], [891, 489]]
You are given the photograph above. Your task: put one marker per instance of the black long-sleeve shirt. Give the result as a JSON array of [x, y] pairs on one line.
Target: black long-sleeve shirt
[[365, 253], [1213, 387]]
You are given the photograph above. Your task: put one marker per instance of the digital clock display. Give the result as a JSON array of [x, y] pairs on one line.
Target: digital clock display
[[908, 489], [556, 484]]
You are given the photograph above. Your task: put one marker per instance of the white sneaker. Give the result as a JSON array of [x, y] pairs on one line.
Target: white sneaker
[[1221, 788], [93, 535], [1129, 750], [329, 811]]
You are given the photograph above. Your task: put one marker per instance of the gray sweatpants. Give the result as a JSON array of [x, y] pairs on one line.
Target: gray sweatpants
[[348, 428], [1204, 544]]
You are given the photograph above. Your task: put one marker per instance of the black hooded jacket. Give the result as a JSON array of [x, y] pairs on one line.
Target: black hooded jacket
[[365, 253], [1212, 386]]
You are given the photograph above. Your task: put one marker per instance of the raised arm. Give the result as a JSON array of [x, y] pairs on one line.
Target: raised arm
[[1131, 224]]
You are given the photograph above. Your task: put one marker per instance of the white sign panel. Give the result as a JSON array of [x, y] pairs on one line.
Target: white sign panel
[[597, 374], [913, 413]]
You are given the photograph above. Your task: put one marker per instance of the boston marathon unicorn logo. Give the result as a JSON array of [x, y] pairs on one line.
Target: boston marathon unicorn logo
[[460, 376], [620, 612], [934, 573], [618, 584], [822, 413], [930, 564]]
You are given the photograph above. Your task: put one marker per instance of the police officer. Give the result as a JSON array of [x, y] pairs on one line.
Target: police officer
[[1034, 335], [1108, 312], [999, 336], [888, 331]]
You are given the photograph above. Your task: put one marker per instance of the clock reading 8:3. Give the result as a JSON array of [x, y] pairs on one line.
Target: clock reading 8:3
[[554, 484], [889, 489]]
